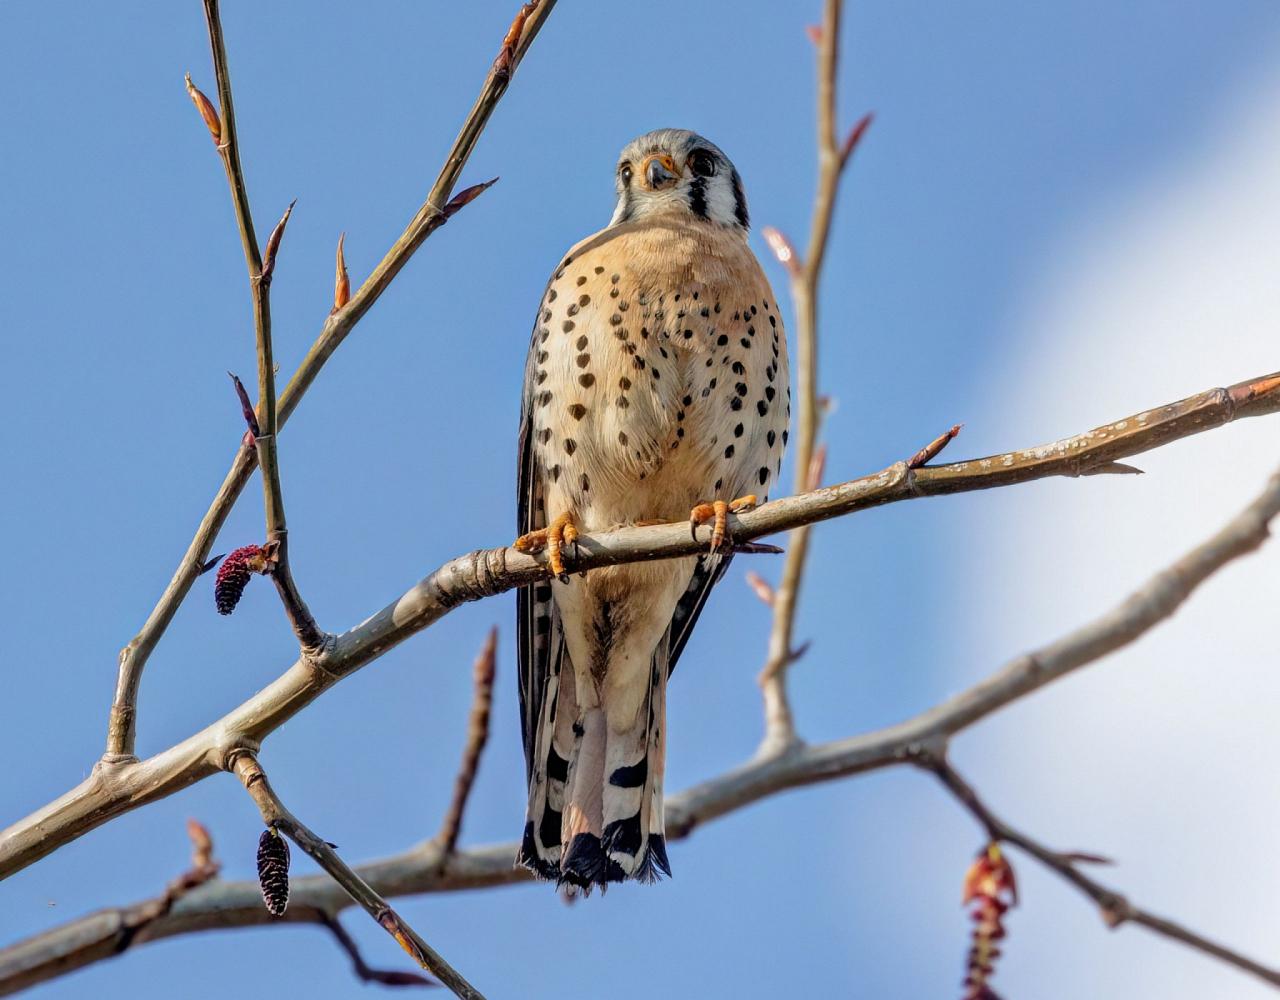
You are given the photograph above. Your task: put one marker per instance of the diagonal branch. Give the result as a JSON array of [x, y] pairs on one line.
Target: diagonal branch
[[424, 869], [477, 737], [1115, 908], [110, 791], [245, 766], [434, 212]]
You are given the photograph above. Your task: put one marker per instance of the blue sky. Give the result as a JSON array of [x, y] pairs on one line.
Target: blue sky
[[1025, 160]]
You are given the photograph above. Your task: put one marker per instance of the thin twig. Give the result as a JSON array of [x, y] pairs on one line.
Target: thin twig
[[246, 767], [365, 972], [110, 791], [780, 731], [423, 869], [477, 737], [261, 266], [122, 724], [1115, 908]]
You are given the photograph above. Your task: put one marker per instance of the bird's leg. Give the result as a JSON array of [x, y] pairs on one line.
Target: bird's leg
[[717, 514], [560, 532]]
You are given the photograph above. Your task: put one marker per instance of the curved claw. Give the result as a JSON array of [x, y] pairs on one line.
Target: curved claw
[[717, 514], [552, 538]]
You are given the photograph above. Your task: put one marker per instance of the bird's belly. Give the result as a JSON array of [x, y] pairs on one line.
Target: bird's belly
[[643, 408]]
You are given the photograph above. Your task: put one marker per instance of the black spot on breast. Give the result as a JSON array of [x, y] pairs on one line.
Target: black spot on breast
[[586, 380], [583, 360], [764, 475], [623, 402], [542, 357], [704, 312], [738, 368], [545, 398], [740, 388], [555, 473], [542, 377], [745, 343], [623, 439], [624, 383], [722, 340], [570, 446], [771, 437], [568, 326], [572, 310], [738, 431], [762, 407], [728, 452], [599, 269], [544, 435], [638, 362], [735, 403], [582, 279], [582, 342], [785, 435], [577, 411], [585, 483], [551, 295], [584, 301]]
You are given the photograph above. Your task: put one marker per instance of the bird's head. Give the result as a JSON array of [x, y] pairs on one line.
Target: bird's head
[[674, 172]]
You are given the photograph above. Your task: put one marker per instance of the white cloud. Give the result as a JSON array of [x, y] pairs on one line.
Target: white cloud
[[1163, 756]]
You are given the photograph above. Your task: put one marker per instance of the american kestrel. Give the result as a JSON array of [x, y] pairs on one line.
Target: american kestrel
[[656, 389]]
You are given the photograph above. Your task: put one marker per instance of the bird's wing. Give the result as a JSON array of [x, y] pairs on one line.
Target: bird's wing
[[706, 575], [538, 633]]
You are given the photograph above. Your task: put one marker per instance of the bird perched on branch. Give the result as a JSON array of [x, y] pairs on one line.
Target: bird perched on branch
[[656, 390]]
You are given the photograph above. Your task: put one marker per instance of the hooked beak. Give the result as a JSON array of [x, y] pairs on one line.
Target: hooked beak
[[659, 171]]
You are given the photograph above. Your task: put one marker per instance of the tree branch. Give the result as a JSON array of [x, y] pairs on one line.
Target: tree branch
[[122, 726], [1115, 908], [477, 737], [805, 275], [115, 788], [261, 267], [428, 868], [245, 766]]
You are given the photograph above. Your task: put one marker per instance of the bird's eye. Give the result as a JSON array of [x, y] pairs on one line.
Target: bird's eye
[[702, 163], [625, 173]]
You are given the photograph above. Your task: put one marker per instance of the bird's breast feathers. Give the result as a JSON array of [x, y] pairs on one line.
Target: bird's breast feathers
[[658, 374]]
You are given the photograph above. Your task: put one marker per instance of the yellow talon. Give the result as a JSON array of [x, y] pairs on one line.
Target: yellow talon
[[717, 514], [560, 532]]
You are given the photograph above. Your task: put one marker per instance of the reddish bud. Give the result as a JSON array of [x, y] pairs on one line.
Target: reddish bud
[[207, 111], [465, 197], [760, 587], [273, 243], [341, 282], [782, 249]]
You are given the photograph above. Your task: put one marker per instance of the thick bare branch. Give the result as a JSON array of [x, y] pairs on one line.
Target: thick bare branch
[[245, 766], [1115, 908], [116, 787], [427, 868], [122, 726]]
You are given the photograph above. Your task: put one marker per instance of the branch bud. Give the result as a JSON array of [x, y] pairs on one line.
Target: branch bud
[[341, 282], [207, 111]]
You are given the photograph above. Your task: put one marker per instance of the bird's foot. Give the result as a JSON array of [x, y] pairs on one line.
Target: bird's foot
[[559, 533], [716, 513]]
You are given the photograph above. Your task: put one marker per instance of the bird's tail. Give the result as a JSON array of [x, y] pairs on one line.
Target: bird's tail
[[595, 809]]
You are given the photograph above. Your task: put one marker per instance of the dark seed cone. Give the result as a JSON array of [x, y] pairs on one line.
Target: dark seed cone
[[273, 871], [233, 576]]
